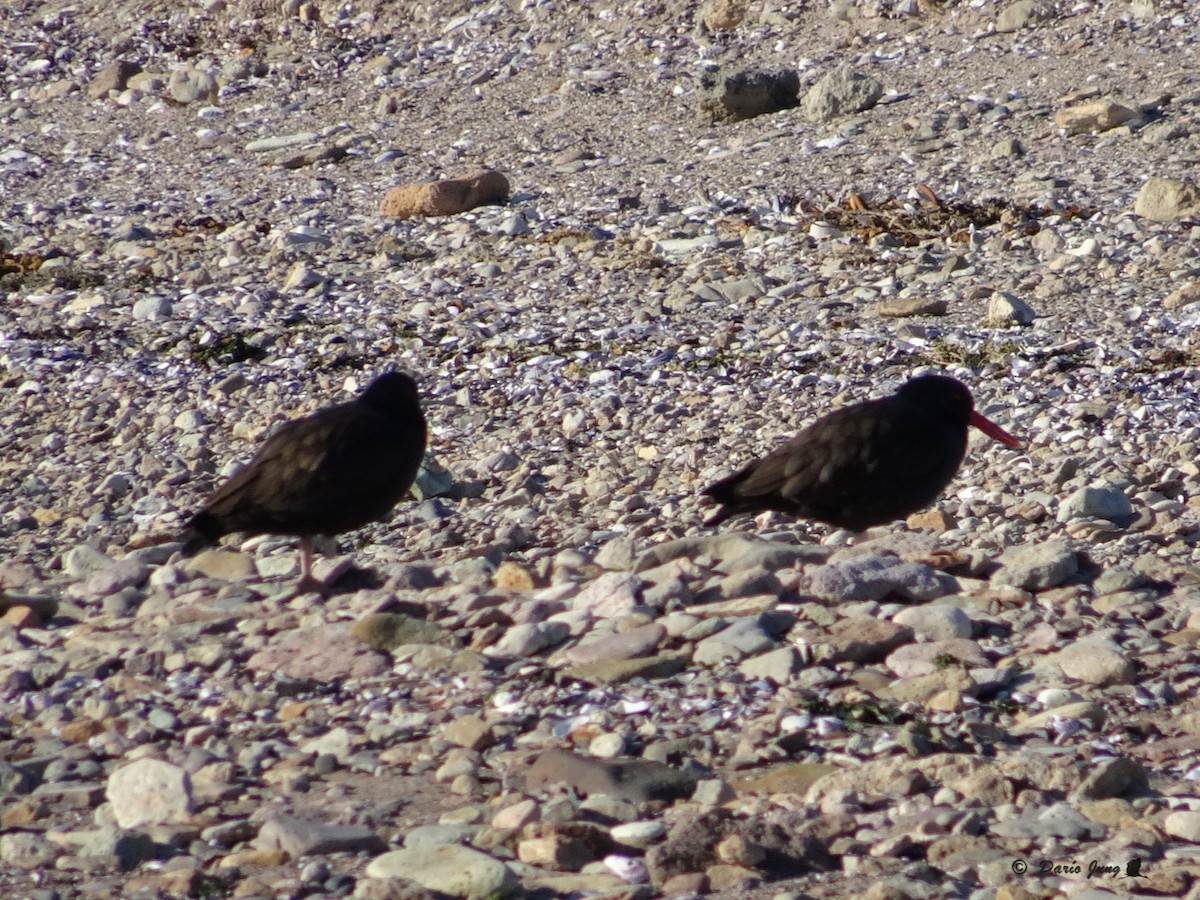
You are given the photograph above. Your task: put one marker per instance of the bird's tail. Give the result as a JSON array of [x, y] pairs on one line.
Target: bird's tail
[[201, 531]]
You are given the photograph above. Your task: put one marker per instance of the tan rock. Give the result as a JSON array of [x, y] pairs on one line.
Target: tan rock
[[113, 77], [946, 701], [469, 731], [22, 813], [735, 878], [518, 815], [253, 859], [1087, 118], [1184, 296], [511, 576], [738, 851], [935, 520], [722, 15], [1167, 200], [555, 851], [224, 565], [911, 306], [20, 617], [447, 197], [81, 730], [788, 778], [1083, 709]]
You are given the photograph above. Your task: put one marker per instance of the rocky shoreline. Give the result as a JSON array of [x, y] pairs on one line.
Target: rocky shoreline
[[544, 676]]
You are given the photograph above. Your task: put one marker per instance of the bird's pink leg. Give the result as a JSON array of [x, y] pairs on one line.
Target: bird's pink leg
[[307, 584]]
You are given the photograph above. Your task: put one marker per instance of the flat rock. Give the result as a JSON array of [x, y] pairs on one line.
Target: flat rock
[[636, 642], [386, 631], [1097, 662], [637, 780], [922, 659], [875, 577], [302, 837], [935, 622], [613, 671], [1088, 118], [451, 869], [319, 654], [1037, 567], [857, 640], [447, 197], [149, 791], [223, 565]]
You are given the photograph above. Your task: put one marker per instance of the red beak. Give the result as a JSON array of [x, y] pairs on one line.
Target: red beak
[[992, 430]]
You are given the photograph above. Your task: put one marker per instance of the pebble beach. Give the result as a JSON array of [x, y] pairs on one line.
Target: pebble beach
[[689, 230]]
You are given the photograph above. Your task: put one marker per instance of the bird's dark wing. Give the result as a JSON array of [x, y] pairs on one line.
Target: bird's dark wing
[[274, 482], [855, 467]]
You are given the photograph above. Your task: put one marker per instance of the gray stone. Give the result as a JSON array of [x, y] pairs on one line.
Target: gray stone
[[1057, 821], [732, 97], [839, 93], [530, 638], [150, 791], [1101, 501], [935, 622], [744, 637], [449, 868], [1095, 662], [1114, 778], [1037, 567], [190, 85], [27, 850], [301, 837], [1019, 15], [1006, 309], [640, 641], [873, 577], [637, 780], [774, 665]]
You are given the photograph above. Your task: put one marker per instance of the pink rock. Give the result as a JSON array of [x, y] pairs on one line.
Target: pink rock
[[447, 197]]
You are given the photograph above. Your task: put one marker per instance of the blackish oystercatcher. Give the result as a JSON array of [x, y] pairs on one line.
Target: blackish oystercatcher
[[328, 473], [866, 464]]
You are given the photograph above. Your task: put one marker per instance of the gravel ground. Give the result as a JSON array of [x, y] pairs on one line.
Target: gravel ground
[[544, 674]]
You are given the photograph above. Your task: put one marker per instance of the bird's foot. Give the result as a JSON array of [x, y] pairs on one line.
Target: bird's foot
[[306, 585], [310, 585]]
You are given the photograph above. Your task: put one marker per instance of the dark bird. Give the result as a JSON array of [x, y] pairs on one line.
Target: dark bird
[[866, 464], [327, 473]]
